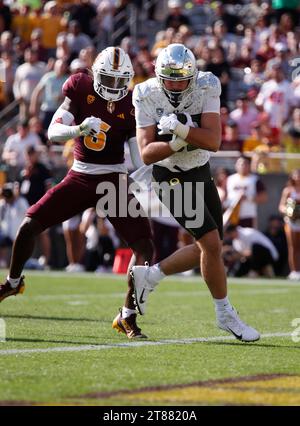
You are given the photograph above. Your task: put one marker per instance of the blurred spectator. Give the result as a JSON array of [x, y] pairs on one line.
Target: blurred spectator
[[276, 98], [5, 17], [6, 42], [36, 127], [84, 13], [258, 136], [276, 36], [231, 140], [275, 233], [77, 66], [281, 57], [222, 37], [6, 88], [74, 240], [282, 7], [291, 140], [15, 148], [254, 76], [289, 206], [262, 29], [77, 40], [220, 179], [100, 248], [258, 251], [162, 39], [12, 212], [50, 86], [27, 77], [88, 56], [251, 13], [36, 43], [230, 20], [176, 17], [265, 51], [63, 50], [244, 57], [220, 67], [141, 73], [244, 115], [35, 179], [21, 24], [19, 47], [203, 54], [51, 14], [248, 189]]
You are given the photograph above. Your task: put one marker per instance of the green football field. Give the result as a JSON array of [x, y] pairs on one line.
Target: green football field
[[60, 348]]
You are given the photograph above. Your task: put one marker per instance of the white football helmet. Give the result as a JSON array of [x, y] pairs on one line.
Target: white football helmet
[[112, 72], [176, 62]]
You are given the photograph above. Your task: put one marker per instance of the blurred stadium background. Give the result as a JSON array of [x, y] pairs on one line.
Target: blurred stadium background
[[247, 44]]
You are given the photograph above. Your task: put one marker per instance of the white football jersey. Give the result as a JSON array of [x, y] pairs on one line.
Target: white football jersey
[[151, 103]]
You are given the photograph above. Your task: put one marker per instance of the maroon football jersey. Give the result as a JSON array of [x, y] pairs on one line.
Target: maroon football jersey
[[118, 121]]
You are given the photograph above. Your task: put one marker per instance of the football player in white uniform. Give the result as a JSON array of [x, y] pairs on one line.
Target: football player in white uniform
[[178, 125]]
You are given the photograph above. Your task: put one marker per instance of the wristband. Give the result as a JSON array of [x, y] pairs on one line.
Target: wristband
[[177, 143], [182, 130]]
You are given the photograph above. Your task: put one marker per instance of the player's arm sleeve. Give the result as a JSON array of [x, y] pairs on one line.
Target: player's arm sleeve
[[212, 97], [135, 153], [60, 128], [142, 117]]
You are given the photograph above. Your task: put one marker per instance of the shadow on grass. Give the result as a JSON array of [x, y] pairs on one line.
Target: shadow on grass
[[26, 340], [38, 317], [253, 345]]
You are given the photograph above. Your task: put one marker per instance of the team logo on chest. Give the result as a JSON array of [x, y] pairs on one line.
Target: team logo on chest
[[90, 99], [111, 106]]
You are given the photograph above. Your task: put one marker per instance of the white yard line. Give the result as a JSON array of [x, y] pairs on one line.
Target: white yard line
[[130, 344]]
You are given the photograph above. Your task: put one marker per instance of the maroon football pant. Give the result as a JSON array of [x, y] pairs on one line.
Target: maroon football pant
[[76, 193]]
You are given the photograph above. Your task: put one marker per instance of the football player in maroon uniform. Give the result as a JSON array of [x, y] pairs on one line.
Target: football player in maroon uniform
[[98, 112]]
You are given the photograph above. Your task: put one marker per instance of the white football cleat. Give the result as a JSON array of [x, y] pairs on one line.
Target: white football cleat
[[142, 286], [294, 276], [229, 320]]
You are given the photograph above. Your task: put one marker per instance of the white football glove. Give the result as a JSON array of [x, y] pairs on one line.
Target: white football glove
[[90, 126], [167, 124]]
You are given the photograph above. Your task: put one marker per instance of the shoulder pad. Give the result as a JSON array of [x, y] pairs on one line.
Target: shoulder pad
[[145, 89], [209, 82]]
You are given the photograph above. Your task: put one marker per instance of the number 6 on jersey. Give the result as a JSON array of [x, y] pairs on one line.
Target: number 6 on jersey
[[98, 142]]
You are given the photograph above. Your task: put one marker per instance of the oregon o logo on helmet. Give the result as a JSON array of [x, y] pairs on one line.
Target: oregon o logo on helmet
[[2, 330], [295, 63], [2, 71]]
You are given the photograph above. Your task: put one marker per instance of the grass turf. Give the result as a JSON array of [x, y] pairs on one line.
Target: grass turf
[[59, 310]]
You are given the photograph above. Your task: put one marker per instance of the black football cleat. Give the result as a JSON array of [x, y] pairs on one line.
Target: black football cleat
[[128, 326], [6, 290]]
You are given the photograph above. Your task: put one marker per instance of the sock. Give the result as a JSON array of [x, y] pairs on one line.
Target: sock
[[222, 304], [155, 274], [14, 282], [126, 312]]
